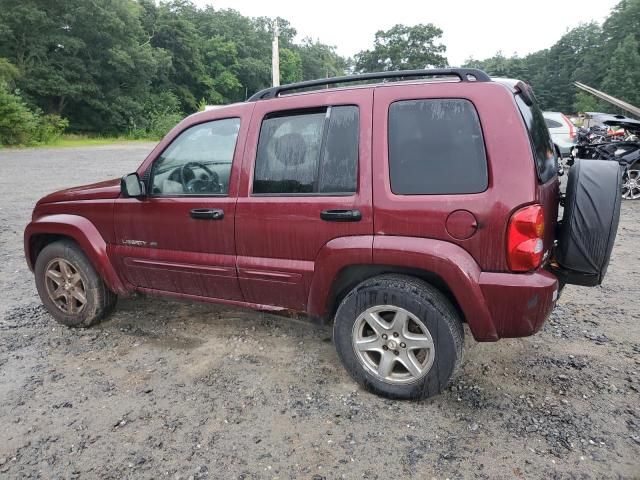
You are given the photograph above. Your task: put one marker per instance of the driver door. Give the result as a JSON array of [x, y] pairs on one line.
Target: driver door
[[180, 238]]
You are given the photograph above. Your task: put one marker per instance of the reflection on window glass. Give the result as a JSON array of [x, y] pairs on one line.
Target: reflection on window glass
[[340, 159], [544, 153], [288, 153], [309, 152], [436, 147], [198, 161]]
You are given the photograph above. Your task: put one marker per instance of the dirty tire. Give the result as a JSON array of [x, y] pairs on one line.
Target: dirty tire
[[100, 301], [424, 301]]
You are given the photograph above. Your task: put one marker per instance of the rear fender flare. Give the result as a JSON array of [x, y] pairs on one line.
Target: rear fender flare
[[85, 234], [333, 257], [454, 265]]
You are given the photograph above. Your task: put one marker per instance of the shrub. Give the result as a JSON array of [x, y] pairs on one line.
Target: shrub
[[159, 125], [17, 122], [49, 128], [160, 114], [21, 126]]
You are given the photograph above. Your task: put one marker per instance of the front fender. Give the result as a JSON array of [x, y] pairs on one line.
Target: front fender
[[85, 234]]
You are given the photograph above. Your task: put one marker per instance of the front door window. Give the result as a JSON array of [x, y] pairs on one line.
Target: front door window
[[198, 161]]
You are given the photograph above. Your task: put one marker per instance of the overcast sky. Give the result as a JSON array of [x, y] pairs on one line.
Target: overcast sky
[[472, 28]]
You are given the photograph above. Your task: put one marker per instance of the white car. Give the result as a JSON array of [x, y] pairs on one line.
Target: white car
[[563, 132]]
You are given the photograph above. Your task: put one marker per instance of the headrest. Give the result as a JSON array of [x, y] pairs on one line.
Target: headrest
[[290, 149]]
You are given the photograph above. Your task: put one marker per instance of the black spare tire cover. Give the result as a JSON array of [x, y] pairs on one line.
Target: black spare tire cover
[[590, 219]]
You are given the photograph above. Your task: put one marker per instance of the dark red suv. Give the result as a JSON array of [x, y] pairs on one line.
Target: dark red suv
[[399, 210]]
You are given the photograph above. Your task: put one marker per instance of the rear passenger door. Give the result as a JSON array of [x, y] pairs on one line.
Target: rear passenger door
[[306, 180]]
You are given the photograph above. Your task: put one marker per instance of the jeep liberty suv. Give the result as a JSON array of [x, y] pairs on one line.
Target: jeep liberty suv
[[398, 209]]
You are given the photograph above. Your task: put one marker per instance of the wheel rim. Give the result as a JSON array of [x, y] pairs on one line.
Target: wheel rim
[[393, 344], [631, 185], [65, 286]]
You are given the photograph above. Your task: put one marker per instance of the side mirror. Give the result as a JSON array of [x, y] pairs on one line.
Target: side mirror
[[131, 186]]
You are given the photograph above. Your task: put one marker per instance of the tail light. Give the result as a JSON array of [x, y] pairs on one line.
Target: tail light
[[525, 235], [572, 128]]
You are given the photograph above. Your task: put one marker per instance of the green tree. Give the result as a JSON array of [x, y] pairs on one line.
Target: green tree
[[623, 77], [590, 59], [220, 57], [115, 66], [623, 21], [577, 56], [501, 66], [86, 59], [8, 72], [174, 31], [403, 48], [290, 66], [585, 102], [320, 60], [569, 57]]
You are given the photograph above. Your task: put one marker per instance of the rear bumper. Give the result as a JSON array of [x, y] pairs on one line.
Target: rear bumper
[[519, 304]]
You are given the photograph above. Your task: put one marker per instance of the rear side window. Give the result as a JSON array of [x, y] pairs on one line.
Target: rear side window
[[541, 144], [436, 147], [308, 152], [552, 123]]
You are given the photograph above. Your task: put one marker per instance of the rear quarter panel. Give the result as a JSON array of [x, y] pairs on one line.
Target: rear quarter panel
[[512, 176]]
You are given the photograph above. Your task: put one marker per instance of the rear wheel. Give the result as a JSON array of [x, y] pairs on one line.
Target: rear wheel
[[399, 337], [69, 287]]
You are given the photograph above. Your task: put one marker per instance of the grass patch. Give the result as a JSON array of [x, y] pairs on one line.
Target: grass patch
[[72, 140]]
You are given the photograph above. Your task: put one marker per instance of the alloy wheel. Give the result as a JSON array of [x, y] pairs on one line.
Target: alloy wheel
[[631, 185], [65, 286], [393, 344]]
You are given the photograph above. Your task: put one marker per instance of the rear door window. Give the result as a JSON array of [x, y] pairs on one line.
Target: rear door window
[[541, 144], [308, 152], [436, 147]]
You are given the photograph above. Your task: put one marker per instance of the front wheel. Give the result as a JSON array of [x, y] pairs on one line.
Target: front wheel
[[398, 337], [69, 287]]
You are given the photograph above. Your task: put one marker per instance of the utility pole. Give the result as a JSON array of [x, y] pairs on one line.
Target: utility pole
[[275, 56]]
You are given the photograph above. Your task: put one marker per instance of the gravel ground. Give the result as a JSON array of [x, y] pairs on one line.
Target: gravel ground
[[165, 389]]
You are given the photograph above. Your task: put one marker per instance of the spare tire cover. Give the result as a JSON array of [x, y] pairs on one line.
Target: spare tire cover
[[590, 218]]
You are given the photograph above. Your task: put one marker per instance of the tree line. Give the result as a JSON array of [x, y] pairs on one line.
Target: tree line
[[136, 67], [606, 57]]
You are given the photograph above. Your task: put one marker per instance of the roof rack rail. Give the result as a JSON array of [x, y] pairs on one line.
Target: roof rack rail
[[465, 75]]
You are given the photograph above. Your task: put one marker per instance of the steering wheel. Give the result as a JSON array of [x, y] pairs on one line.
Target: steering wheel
[[192, 184]]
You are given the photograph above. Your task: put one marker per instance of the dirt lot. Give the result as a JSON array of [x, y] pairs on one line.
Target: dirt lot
[[174, 390]]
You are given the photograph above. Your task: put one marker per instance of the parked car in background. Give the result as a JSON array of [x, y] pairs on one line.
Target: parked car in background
[[563, 132], [613, 138], [398, 216]]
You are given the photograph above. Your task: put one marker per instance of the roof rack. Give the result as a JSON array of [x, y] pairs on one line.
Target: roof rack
[[465, 75]]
